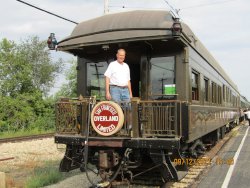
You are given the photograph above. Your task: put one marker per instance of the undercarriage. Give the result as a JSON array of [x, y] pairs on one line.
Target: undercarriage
[[132, 166]]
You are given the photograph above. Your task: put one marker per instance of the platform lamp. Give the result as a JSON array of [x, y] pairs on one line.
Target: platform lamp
[[52, 42], [176, 28]]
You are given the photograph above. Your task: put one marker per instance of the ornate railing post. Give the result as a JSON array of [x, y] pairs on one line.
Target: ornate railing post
[[83, 114], [135, 122]]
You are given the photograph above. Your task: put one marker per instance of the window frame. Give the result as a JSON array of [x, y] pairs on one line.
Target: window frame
[[206, 89], [161, 95], [195, 91]]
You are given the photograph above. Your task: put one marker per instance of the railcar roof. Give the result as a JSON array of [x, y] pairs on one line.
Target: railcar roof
[[120, 26], [132, 26]]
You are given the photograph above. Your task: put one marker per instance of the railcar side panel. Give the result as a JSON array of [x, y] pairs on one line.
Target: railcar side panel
[[205, 119], [211, 113]]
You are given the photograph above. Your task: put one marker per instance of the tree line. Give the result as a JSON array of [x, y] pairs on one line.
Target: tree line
[[27, 73]]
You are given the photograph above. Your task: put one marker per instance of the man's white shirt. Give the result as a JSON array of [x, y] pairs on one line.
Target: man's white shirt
[[118, 73], [248, 114]]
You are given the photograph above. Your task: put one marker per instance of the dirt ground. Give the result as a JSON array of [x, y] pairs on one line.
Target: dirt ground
[[26, 155]]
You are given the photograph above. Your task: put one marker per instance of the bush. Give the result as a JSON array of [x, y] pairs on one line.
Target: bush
[[44, 123], [26, 112], [15, 113]]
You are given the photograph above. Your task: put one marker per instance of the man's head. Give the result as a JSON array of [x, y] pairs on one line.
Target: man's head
[[120, 55]]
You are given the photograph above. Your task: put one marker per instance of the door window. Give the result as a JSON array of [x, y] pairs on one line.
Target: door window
[[162, 77], [96, 80]]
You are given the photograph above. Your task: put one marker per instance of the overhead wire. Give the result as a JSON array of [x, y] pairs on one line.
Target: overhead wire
[[128, 7], [171, 7], [46, 11], [207, 4]]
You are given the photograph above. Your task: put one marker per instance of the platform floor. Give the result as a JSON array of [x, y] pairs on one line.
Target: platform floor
[[231, 166]]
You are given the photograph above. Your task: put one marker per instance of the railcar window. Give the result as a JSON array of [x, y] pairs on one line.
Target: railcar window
[[230, 96], [219, 95], [224, 93], [95, 79], [234, 100], [163, 77], [206, 88], [195, 86], [227, 94], [214, 93]]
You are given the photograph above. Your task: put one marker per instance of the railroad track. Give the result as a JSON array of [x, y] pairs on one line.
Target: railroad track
[[25, 138]]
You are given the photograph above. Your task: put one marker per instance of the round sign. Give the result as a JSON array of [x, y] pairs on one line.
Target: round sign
[[107, 118]]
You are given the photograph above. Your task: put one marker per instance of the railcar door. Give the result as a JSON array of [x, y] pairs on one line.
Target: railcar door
[[133, 56]]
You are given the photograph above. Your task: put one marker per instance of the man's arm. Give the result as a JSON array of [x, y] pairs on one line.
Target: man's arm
[[107, 81], [129, 89]]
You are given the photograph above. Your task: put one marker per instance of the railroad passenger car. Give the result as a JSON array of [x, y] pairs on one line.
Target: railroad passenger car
[[183, 99]]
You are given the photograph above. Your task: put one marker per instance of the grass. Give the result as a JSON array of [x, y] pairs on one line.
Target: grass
[[47, 175], [11, 134]]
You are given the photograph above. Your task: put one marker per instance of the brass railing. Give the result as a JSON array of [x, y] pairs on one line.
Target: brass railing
[[72, 115], [159, 118], [127, 125], [141, 118], [67, 117]]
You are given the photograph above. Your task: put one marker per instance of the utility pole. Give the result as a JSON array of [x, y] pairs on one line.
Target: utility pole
[[106, 6]]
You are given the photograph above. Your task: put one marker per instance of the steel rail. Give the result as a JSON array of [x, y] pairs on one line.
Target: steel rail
[[25, 138]]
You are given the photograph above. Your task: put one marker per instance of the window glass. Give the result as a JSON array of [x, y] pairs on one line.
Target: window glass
[[195, 86], [214, 93], [206, 89], [219, 95], [96, 80], [227, 94], [224, 93], [163, 76]]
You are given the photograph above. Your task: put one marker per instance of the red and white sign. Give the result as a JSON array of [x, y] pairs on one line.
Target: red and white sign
[[107, 118]]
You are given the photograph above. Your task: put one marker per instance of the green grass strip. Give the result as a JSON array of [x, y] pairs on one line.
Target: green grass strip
[[47, 175], [24, 133]]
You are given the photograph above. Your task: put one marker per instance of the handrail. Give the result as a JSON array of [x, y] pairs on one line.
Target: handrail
[[152, 118], [160, 119]]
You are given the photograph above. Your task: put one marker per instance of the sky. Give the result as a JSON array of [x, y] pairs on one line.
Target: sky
[[223, 26]]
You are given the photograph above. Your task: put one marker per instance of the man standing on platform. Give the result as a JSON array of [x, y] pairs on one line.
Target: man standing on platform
[[117, 78], [248, 116], [118, 85]]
